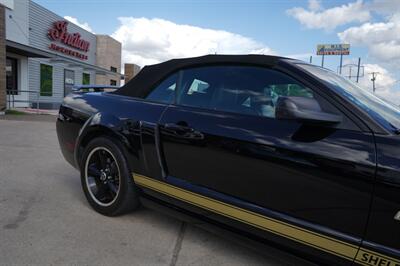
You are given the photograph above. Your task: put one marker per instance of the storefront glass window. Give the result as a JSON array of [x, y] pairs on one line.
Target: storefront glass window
[[86, 79], [46, 80]]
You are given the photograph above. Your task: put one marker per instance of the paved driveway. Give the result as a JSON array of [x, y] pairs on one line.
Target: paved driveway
[[45, 219]]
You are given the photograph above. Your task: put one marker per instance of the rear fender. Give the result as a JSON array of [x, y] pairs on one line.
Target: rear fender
[[100, 124]]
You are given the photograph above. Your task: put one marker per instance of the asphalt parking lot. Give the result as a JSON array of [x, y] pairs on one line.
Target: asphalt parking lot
[[45, 219]]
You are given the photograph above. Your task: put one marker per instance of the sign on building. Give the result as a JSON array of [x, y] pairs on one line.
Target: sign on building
[[333, 49], [59, 33]]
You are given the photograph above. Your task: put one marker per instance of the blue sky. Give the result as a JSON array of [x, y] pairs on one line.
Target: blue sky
[[282, 27], [264, 21]]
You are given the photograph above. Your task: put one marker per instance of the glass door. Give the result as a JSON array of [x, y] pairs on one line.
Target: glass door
[[69, 81], [11, 76]]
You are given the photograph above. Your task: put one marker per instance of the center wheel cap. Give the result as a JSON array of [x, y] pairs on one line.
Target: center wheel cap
[[103, 176]]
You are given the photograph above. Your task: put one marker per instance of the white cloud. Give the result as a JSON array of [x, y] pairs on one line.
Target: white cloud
[[329, 19], [314, 5], [382, 39], [385, 6], [148, 41], [385, 83], [83, 25]]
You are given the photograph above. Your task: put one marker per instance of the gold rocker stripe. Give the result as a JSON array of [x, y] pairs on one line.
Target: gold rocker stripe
[[325, 243], [298, 234], [368, 257]]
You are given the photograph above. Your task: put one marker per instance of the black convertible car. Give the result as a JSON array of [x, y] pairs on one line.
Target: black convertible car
[[272, 149]]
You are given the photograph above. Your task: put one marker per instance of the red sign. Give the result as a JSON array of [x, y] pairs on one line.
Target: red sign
[[60, 33], [68, 51]]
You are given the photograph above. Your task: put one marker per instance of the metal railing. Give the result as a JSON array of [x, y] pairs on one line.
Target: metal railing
[[32, 98]]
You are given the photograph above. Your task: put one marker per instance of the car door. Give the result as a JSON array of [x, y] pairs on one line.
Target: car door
[[381, 245], [220, 139]]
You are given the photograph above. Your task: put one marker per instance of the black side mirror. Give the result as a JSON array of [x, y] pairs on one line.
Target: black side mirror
[[303, 109]]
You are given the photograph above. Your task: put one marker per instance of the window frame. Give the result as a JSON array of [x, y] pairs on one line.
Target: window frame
[[348, 123]]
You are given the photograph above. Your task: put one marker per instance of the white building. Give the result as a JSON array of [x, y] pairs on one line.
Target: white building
[[47, 55]]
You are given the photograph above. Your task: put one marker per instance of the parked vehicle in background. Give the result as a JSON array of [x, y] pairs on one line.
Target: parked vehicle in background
[[94, 88], [274, 149]]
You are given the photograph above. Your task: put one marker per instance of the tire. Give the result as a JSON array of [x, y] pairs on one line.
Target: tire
[[106, 178]]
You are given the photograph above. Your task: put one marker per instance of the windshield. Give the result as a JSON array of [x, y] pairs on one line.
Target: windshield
[[385, 113]]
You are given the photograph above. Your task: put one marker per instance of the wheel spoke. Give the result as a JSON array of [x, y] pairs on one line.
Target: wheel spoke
[[101, 192], [102, 159], [113, 188], [93, 171], [113, 168]]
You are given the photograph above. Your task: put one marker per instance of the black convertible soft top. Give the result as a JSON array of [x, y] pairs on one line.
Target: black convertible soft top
[[150, 75]]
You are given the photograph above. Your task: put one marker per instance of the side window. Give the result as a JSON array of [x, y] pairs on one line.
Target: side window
[[197, 87], [256, 90], [165, 91], [239, 89]]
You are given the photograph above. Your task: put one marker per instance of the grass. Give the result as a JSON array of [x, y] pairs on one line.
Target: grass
[[14, 112]]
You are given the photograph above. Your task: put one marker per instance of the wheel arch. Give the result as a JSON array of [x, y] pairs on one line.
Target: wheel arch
[[101, 125]]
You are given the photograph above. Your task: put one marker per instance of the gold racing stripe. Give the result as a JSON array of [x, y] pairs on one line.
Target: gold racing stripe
[[295, 233], [372, 258], [322, 242]]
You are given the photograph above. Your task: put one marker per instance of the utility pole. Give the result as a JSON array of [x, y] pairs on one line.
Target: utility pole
[[358, 69], [373, 79]]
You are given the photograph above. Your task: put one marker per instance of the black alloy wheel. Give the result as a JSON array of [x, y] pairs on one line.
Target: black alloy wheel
[[102, 176], [106, 178]]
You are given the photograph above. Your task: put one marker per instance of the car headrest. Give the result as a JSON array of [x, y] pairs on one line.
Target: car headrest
[[257, 100]]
